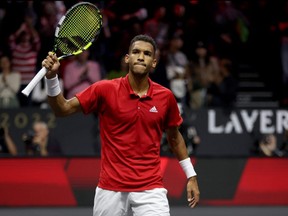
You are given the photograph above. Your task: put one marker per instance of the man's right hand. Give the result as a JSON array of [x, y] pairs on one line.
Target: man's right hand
[[52, 64]]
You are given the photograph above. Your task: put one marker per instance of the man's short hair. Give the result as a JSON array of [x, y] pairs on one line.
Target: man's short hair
[[145, 38]]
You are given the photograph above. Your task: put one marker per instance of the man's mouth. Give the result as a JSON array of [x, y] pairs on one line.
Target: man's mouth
[[144, 65]]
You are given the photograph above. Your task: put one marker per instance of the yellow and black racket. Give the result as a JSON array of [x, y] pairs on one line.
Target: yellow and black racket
[[75, 32]]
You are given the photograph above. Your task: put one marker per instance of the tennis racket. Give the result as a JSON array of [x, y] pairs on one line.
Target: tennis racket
[[75, 32]]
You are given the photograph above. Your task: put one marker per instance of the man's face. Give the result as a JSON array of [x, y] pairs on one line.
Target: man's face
[[41, 132], [141, 58]]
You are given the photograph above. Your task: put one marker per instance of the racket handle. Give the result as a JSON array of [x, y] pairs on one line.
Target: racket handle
[[36, 79]]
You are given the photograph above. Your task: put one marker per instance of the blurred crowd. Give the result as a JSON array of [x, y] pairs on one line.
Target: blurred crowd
[[201, 47]]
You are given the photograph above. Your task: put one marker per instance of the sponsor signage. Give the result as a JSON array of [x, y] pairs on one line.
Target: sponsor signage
[[222, 132]]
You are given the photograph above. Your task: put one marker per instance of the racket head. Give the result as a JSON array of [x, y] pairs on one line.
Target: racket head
[[77, 29]]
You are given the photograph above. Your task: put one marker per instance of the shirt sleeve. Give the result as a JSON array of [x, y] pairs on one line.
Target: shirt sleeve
[[91, 97], [173, 117]]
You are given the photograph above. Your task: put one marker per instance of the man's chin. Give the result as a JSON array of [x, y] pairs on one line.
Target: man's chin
[[140, 73]]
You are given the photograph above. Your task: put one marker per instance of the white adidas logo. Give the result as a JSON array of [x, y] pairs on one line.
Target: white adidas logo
[[153, 109]]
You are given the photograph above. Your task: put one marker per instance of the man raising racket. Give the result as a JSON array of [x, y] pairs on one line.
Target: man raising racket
[[133, 112]]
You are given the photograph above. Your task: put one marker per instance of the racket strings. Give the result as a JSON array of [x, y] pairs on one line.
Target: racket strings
[[79, 28]]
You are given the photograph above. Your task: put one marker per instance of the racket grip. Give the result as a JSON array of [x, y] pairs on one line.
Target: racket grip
[[36, 79]]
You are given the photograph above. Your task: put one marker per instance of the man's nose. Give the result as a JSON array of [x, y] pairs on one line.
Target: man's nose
[[141, 56]]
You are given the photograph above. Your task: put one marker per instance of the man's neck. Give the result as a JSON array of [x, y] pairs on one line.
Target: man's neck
[[139, 84]]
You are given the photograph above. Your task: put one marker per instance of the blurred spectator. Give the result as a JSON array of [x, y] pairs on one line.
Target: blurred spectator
[[159, 74], [79, 73], [177, 19], [139, 12], [9, 22], [50, 13], [190, 133], [39, 142], [198, 26], [125, 21], [157, 26], [7, 145], [203, 68], [267, 146], [9, 84], [223, 89], [231, 31], [176, 67], [24, 45]]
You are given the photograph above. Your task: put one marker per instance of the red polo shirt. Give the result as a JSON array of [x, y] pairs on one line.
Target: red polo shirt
[[131, 130]]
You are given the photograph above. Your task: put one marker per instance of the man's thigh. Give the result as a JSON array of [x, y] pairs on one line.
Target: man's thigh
[[110, 203], [150, 203]]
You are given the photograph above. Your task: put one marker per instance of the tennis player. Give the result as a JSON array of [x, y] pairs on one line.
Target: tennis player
[[133, 112]]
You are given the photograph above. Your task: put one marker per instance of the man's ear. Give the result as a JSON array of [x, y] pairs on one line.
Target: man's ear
[[126, 58], [154, 64]]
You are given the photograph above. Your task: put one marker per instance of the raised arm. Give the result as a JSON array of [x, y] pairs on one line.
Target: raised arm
[[59, 104]]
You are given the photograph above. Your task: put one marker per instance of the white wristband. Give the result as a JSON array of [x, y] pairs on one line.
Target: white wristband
[[187, 167], [53, 86]]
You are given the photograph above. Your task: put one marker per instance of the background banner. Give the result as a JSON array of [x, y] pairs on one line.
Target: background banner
[[72, 181], [222, 132]]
